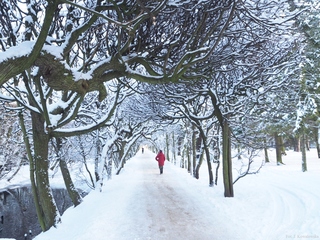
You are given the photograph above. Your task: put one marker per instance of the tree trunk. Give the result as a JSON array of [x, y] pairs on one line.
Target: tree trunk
[[282, 147], [174, 150], [199, 163], [239, 152], [316, 137], [296, 144], [278, 149], [167, 148], [217, 173], [97, 157], [194, 151], [189, 159], [121, 153], [32, 171], [226, 160], [183, 156], [207, 152], [72, 191], [199, 155], [49, 215], [306, 139], [121, 157], [211, 183], [266, 156], [180, 143], [303, 152], [216, 151], [108, 167]]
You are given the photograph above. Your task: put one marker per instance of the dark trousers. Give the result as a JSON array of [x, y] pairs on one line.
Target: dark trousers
[[161, 169]]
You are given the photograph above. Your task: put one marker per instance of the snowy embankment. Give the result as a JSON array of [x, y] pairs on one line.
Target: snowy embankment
[[280, 202]]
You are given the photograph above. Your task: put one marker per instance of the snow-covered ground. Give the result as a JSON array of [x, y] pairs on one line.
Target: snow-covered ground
[[281, 202]]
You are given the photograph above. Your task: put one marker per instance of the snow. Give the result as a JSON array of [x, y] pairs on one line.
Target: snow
[[24, 49], [280, 202]]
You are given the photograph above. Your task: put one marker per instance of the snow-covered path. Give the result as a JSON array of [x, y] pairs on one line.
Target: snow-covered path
[[162, 207], [279, 203], [144, 205]]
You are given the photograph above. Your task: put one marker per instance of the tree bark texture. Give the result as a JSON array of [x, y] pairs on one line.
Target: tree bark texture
[[194, 151], [72, 191], [278, 148], [189, 167], [283, 149], [49, 215], [97, 157], [208, 158], [199, 163], [316, 139], [266, 156], [211, 183], [303, 152], [167, 148], [32, 171], [174, 149], [226, 160], [296, 144]]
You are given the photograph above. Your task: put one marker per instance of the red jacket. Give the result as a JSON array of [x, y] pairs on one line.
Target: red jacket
[[160, 158]]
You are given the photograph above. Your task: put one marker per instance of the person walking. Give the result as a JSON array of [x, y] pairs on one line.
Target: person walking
[[160, 158]]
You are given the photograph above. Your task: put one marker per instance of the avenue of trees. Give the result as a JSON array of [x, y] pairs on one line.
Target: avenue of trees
[[93, 80]]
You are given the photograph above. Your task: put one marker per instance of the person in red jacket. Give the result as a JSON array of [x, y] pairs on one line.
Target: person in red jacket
[[160, 158]]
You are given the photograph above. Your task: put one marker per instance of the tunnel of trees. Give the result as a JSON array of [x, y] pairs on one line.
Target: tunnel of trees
[[95, 80]]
